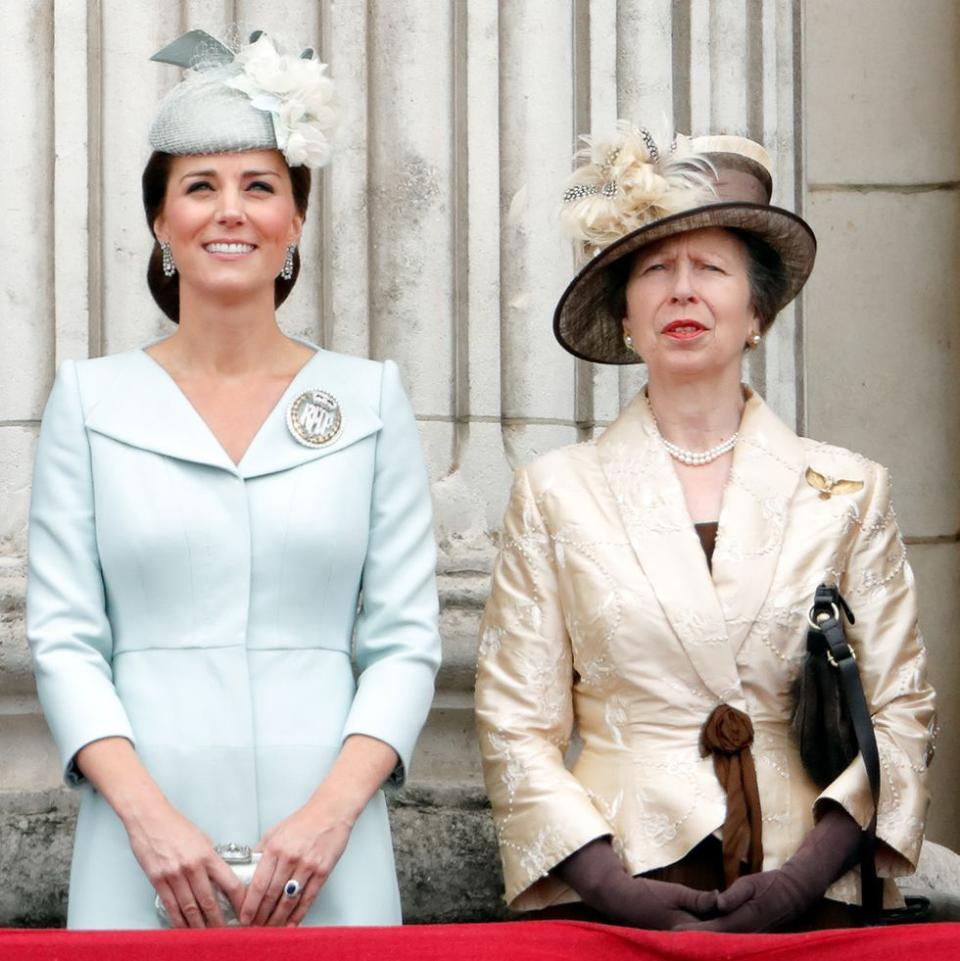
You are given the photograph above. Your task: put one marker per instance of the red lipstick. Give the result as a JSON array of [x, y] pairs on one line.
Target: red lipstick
[[683, 329]]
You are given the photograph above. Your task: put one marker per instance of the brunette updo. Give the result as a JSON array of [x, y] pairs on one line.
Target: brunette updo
[[166, 290]]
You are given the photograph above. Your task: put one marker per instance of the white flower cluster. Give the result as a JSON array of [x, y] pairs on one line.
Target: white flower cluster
[[298, 95]]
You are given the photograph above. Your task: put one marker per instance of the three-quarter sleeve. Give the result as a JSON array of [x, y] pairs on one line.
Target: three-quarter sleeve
[[397, 645], [67, 625], [878, 584], [524, 711]]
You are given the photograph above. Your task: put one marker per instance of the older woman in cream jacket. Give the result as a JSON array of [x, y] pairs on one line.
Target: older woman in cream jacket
[[661, 576]]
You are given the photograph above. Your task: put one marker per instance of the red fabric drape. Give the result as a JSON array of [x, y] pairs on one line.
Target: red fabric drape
[[516, 941]]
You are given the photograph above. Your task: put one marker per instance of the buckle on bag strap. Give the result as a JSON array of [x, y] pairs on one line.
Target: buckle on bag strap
[[824, 617], [833, 662], [827, 599]]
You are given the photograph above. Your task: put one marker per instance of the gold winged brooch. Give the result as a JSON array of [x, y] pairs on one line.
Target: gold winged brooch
[[828, 486]]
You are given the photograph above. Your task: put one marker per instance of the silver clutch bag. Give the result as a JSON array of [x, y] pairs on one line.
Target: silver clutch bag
[[243, 862]]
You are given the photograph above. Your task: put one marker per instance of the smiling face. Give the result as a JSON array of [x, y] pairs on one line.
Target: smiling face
[[229, 219], [689, 304]]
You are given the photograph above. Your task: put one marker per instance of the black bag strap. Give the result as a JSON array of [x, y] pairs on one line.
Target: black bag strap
[[826, 617]]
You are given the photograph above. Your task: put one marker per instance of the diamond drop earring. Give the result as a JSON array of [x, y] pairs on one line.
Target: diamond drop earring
[[287, 271], [169, 267]]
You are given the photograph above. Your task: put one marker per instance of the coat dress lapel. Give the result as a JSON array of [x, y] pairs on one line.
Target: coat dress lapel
[[274, 448], [145, 408], [711, 616]]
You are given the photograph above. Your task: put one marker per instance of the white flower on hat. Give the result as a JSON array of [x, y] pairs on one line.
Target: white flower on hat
[[298, 95], [320, 102], [307, 146], [266, 69], [292, 112]]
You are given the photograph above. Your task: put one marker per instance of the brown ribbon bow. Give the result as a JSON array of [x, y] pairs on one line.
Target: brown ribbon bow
[[727, 735]]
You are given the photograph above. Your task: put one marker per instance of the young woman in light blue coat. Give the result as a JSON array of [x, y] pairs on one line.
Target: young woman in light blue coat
[[231, 600]]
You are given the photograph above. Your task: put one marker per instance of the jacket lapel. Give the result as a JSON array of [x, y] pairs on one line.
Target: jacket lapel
[[145, 408], [650, 499], [768, 464], [274, 448]]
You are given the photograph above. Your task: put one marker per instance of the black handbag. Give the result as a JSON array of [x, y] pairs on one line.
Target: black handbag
[[832, 722]]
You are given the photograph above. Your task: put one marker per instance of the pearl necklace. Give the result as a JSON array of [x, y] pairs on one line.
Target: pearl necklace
[[693, 458], [696, 458]]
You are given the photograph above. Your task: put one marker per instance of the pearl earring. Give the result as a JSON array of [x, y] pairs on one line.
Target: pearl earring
[[627, 341], [753, 340]]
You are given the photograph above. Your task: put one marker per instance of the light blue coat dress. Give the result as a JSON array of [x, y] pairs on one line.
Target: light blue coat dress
[[235, 622]]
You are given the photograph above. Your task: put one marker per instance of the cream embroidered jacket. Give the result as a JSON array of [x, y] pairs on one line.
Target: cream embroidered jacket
[[603, 613]]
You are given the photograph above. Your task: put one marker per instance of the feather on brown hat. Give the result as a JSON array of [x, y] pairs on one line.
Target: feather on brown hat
[[631, 193]]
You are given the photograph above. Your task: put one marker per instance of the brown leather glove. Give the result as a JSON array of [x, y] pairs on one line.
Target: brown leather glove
[[761, 902], [599, 877]]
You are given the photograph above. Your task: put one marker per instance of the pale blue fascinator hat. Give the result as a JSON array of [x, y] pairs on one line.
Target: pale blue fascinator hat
[[255, 97]]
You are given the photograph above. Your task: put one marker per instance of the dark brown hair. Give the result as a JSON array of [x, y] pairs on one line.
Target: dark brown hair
[[765, 273], [166, 290], [768, 279]]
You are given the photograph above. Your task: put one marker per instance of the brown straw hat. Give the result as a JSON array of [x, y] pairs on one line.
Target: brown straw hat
[[631, 194]]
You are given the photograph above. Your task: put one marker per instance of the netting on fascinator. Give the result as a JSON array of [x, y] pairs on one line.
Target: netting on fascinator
[[251, 96]]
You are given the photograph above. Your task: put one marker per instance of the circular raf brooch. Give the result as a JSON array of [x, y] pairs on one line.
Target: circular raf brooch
[[314, 418]]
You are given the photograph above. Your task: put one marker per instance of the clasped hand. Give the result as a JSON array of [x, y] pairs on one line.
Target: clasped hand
[[183, 867], [598, 876], [304, 848], [761, 902], [755, 902], [180, 862]]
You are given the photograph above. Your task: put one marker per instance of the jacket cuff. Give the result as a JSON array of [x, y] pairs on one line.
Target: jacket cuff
[[396, 721], [529, 884], [73, 777], [899, 827]]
